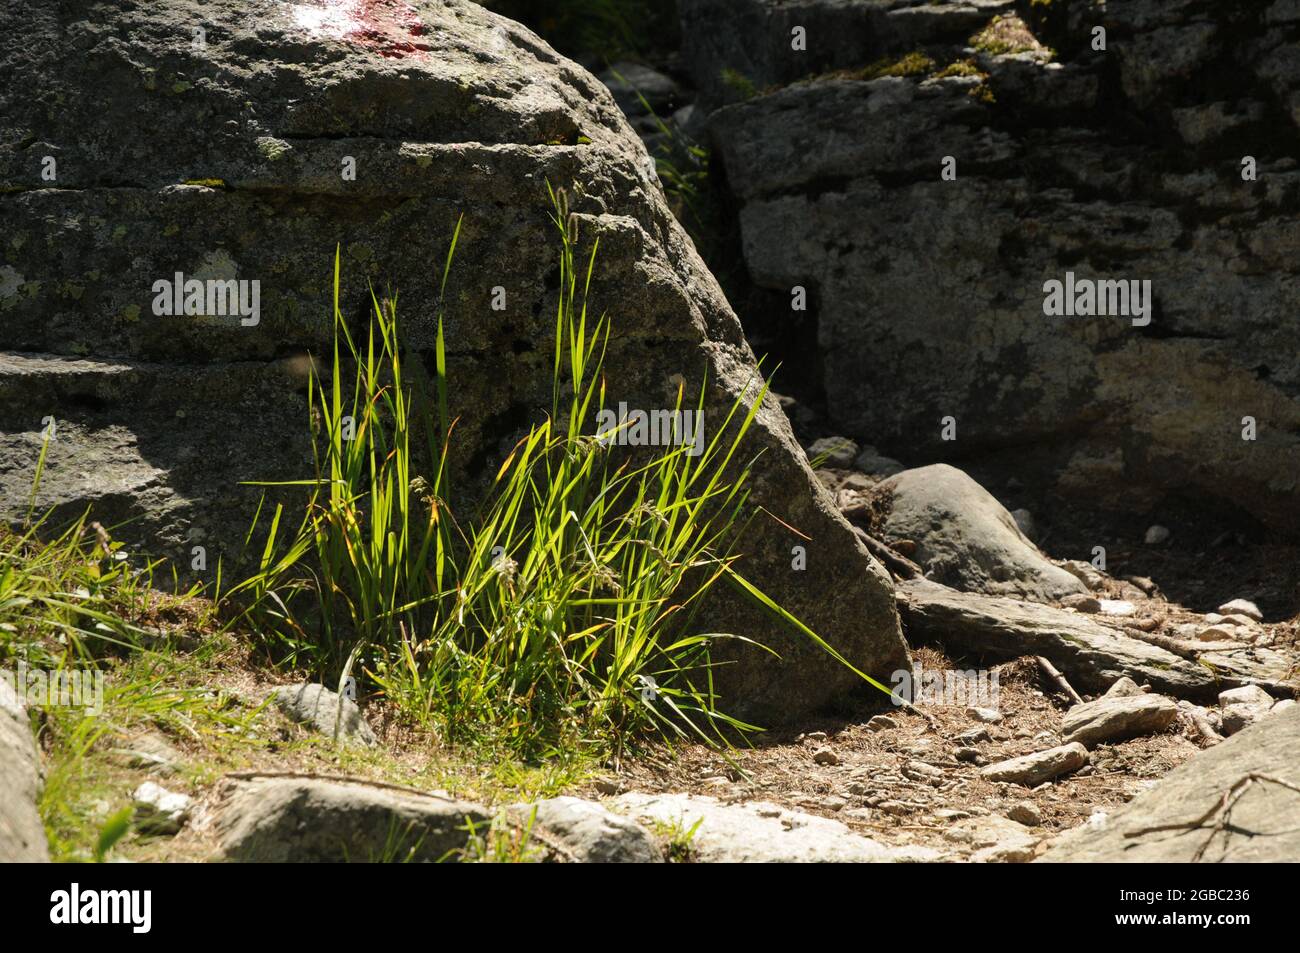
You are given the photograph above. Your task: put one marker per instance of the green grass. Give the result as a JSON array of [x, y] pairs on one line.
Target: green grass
[[535, 624]]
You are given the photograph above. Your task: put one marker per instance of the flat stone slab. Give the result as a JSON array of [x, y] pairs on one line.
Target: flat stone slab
[[753, 832], [1116, 717], [1032, 770]]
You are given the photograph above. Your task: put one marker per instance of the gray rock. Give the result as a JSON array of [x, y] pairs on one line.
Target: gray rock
[[837, 452], [1032, 770], [1025, 523], [753, 832], [449, 110], [1236, 717], [1116, 717], [1087, 573], [826, 756], [993, 840], [736, 48], [305, 820], [160, 811], [22, 835], [1082, 602], [988, 716], [1156, 535], [1242, 707], [1123, 687], [966, 539], [1026, 813], [333, 715], [588, 832], [630, 83], [1263, 827], [881, 723], [1242, 607], [872, 461], [1089, 654], [1251, 695]]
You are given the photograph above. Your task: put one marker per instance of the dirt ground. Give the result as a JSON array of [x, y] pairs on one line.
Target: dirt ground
[[877, 788]]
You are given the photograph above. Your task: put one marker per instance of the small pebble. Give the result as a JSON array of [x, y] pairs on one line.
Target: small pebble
[[1156, 535], [986, 715], [1027, 813], [826, 756], [1082, 602]]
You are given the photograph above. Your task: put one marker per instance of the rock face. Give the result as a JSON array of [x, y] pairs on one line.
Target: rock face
[[735, 48], [303, 820], [966, 539], [929, 294], [218, 140], [1262, 826], [22, 836]]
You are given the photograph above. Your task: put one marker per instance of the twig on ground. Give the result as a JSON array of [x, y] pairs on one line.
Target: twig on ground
[[1054, 674]]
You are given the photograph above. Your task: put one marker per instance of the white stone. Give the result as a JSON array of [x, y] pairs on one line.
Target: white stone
[[1242, 607]]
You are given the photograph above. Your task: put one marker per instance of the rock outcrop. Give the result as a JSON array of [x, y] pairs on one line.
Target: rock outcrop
[[245, 141], [928, 293], [1175, 822]]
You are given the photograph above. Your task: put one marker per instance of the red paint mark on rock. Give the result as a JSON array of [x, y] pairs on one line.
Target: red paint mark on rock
[[389, 28]]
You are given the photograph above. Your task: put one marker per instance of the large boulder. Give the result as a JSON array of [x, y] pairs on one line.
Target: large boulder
[[213, 139], [928, 295], [966, 539], [1175, 821], [22, 836]]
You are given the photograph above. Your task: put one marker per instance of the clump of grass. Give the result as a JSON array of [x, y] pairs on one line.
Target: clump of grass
[[74, 599], [1006, 35], [961, 68], [915, 63], [561, 617], [678, 839], [740, 84], [501, 841]]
